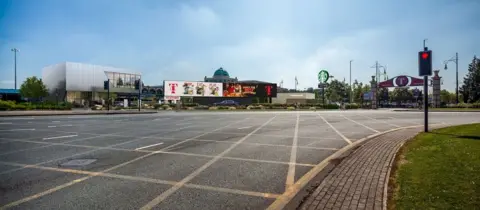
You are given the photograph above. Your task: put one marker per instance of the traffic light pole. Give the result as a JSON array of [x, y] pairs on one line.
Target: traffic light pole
[[425, 96], [108, 95], [139, 93]]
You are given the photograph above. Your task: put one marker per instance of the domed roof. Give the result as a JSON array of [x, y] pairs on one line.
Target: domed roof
[[221, 73]]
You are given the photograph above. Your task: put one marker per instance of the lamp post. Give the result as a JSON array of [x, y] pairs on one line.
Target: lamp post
[[15, 50], [455, 60], [350, 88]]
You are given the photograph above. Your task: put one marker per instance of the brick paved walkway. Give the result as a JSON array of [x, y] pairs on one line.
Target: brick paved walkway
[[358, 182]]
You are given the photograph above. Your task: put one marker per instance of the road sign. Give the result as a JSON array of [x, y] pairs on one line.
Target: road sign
[[323, 76]]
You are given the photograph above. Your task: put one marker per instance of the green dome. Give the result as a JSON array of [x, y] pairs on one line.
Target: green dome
[[220, 72]]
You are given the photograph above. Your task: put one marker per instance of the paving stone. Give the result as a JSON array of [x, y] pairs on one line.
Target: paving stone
[[358, 181]]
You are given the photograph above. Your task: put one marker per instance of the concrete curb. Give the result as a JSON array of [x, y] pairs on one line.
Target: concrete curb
[[73, 113], [437, 110], [293, 196]]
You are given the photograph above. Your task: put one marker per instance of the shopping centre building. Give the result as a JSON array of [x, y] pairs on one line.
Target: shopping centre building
[[84, 83]]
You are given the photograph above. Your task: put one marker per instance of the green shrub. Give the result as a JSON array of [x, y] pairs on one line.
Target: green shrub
[[290, 108], [213, 108], [165, 106], [352, 106], [202, 107], [190, 104]]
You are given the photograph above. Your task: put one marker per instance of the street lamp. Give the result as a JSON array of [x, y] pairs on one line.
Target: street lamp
[[455, 60], [15, 50], [350, 88]]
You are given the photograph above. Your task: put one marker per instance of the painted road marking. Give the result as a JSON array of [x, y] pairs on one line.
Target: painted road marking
[[183, 123], [383, 121], [22, 129], [52, 126], [59, 137], [65, 125], [361, 124], [333, 128], [59, 187], [244, 127], [55, 121], [152, 145], [187, 179], [6, 123], [293, 156]]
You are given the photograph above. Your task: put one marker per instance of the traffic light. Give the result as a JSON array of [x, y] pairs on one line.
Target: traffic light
[[106, 85], [137, 84], [425, 63]]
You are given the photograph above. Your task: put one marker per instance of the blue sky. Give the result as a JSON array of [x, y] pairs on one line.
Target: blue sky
[[269, 40]]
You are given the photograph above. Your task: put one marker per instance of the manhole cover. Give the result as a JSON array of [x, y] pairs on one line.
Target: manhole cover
[[79, 162]]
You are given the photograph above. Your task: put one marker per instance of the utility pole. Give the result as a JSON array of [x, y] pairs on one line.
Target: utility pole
[[15, 50]]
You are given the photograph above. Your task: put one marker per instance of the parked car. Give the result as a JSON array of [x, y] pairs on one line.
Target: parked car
[[227, 103]]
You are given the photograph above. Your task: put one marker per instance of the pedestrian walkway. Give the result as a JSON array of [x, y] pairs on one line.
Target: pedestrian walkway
[[360, 180]]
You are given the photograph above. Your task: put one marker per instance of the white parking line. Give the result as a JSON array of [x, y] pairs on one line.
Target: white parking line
[[6, 123], [293, 156], [361, 124], [187, 179], [52, 126], [183, 124], [383, 121], [333, 128], [55, 121], [152, 145], [66, 125], [244, 127], [59, 137], [22, 129]]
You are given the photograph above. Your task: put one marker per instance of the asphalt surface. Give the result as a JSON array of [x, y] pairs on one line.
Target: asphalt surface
[[201, 160]]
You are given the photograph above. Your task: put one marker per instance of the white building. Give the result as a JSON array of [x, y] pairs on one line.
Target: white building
[[84, 83], [290, 98]]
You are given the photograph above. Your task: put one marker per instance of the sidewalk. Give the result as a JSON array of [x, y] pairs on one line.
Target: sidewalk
[[71, 112], [360, 180]]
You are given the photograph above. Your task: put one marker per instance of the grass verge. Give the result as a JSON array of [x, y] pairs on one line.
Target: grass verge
[[438, 170]]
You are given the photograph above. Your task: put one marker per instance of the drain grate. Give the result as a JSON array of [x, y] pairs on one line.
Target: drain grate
[[79, 162]]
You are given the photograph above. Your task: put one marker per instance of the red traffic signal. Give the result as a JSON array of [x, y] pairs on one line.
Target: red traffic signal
[[425, 63], [425, 55]]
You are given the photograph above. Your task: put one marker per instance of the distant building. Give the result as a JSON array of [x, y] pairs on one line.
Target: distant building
[[220, 75], [84, 83]]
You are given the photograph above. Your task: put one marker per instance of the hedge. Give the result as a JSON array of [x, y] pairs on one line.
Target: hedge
[[12, 105], [464, 105]]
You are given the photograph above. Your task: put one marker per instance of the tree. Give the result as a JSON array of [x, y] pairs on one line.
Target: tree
[[447, 97], [471, 83], [33, 88], [336, 91]]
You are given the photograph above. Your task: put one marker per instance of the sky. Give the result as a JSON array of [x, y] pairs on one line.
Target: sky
[[267, 40]]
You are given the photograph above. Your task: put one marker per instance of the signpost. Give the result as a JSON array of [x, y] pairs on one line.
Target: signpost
[[323, 77]]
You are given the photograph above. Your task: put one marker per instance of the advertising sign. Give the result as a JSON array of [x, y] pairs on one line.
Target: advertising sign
[[239, 90], [249, 90], [193, 89]]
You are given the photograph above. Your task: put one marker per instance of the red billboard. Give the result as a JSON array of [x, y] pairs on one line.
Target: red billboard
[[249, 90]]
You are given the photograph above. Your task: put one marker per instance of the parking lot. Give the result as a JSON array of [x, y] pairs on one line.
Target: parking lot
[[204, 160]]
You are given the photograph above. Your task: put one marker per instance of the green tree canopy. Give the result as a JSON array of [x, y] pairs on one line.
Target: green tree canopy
[[471, 83], [33, 88]]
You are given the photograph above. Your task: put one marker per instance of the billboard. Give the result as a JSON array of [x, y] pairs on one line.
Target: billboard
[[249, 90], [239, 90], [193, 89]]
